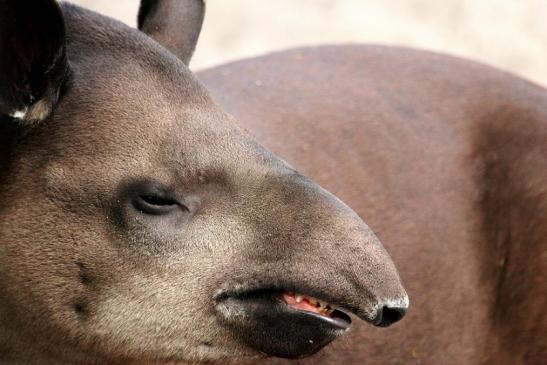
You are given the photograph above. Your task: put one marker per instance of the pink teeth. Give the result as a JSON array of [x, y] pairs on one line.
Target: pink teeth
[[303, 302]]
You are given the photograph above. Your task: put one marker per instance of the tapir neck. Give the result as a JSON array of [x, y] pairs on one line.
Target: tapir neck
[[7, 132], [18, 349], [15, 351]]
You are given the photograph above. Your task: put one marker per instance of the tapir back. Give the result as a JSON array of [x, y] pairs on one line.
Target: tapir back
[[443, 158]]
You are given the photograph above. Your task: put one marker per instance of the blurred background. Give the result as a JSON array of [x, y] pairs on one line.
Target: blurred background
[[509, 34]]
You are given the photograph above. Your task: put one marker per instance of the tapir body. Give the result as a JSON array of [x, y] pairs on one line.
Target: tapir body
[[445, 159], [140, 225]]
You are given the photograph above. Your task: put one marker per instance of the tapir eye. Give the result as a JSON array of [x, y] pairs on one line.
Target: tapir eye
[[153, 204]]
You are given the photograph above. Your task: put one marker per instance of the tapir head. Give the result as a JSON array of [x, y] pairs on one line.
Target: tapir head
[[138, 223]]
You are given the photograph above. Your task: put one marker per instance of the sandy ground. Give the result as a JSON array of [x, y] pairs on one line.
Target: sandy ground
[[510, 34]]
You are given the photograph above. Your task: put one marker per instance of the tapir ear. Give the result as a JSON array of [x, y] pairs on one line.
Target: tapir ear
[[33, 62], [175, 24]]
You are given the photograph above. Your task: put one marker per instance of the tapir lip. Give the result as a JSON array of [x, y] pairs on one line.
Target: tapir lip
[[248, 290], [339, 318], [262, 320]]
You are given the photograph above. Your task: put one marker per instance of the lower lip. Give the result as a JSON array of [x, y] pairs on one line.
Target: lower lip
[[266, 323]]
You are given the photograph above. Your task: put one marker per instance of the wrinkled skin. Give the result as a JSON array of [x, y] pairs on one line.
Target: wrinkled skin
[[446, 160], [129, 200]]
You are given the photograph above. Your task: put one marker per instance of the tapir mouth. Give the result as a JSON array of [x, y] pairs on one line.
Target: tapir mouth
[[282, 323], [311, 305]]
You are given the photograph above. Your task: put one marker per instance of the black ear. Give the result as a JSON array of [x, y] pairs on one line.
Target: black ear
[[175, 24], [33, 62]]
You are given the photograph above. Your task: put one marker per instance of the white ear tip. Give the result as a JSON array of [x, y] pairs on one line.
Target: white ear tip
[[19, 114]]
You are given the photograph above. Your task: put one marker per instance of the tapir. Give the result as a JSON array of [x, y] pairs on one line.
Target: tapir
[[141, 223]]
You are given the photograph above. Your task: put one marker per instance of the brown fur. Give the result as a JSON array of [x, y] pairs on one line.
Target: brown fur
[[445, 159]]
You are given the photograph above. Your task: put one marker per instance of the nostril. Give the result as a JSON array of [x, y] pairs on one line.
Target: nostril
[[389, 315]]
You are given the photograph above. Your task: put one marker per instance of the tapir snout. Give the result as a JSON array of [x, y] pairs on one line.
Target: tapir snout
[[311, 247]]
